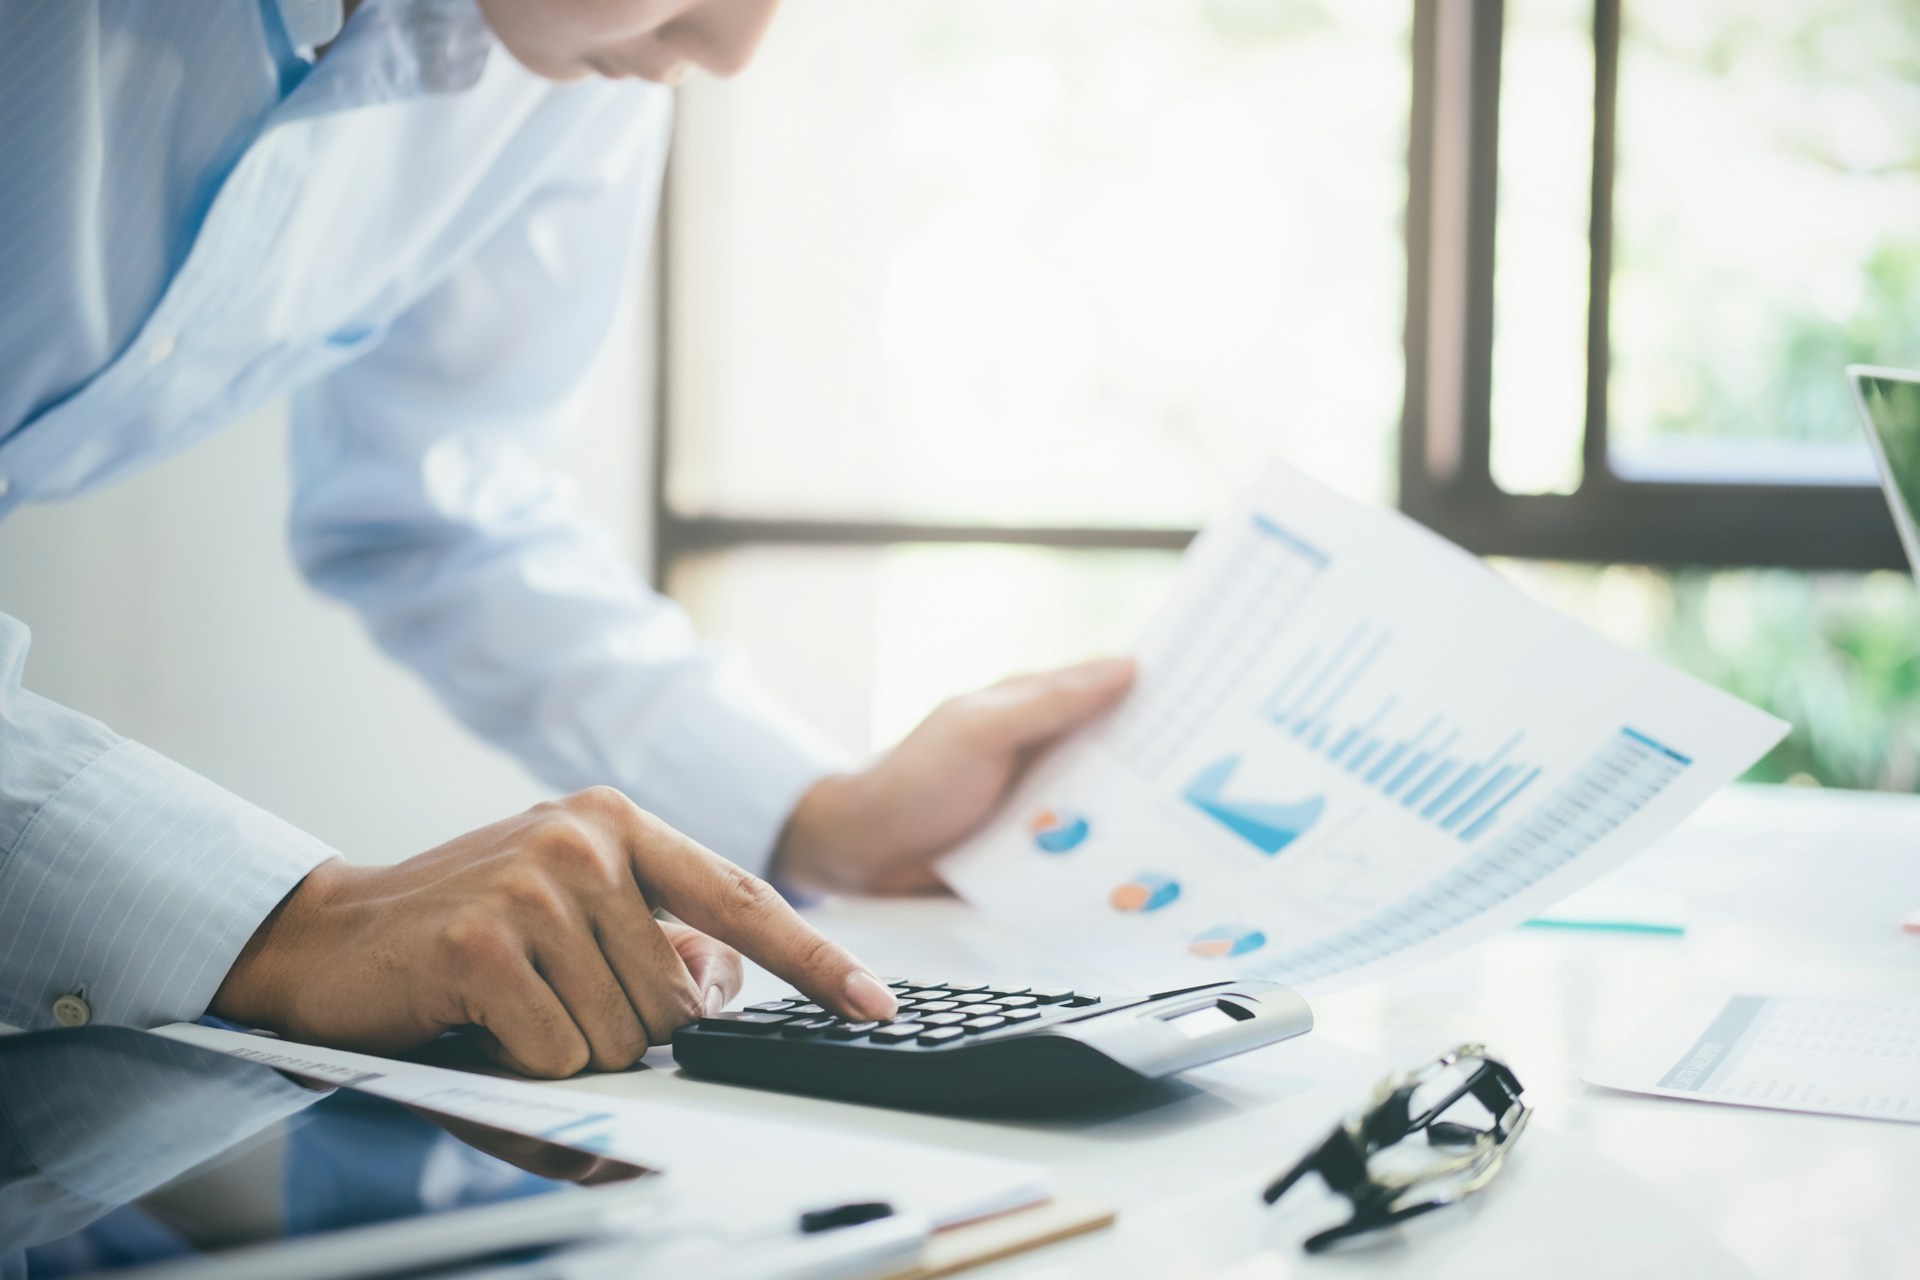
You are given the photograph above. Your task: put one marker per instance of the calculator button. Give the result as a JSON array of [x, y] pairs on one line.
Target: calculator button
[[1081, 1002], [1020, 1015], [944, 1019], [1016, 1002], [940, 1035], [976, 1010], [749, 1023], [852, 1030], [808, 1026], [897, 983], [895, 1032], [974, 1025], [964, 986], [1003, 989], [773, 1006], [935, 1006], [805, 1010], [924, 993], [1048, 995]]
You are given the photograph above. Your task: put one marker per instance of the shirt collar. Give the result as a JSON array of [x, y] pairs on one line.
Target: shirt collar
[[389, 50]]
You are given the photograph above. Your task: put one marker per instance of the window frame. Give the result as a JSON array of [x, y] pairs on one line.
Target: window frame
[[1446, 478], [1445, 466]]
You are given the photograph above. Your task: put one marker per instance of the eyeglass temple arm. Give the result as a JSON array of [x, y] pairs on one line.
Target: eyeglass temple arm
[[1340, 1165]]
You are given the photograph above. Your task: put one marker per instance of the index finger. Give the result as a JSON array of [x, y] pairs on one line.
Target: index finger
[[737, 907]]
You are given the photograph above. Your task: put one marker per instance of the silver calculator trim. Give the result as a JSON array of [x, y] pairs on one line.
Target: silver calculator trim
[[1142, 1035]]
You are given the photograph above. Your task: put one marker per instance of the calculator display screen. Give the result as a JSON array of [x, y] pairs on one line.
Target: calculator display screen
[[1200, 1022]]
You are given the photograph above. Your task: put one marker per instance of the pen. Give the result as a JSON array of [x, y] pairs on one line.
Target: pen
[[1606, 926]]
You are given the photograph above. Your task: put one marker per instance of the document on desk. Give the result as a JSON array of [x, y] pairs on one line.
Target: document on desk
[[1835, 1054], [1352, 747], [762, 1169]]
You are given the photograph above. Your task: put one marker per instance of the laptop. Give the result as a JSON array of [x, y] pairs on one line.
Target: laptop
[[1889, 403]]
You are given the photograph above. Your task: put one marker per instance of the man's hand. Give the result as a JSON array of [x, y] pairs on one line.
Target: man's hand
[[879, 830], [537, 933]]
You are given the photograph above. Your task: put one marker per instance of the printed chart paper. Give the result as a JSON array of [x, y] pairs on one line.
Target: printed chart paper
[[1836, 1054], [1352, 747], [761, 1169]]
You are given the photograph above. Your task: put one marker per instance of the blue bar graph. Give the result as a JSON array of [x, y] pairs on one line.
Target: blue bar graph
[[1435, 773], [1466, 779], [1485, 820], [1500, 778], [1434, 777], [1400, 749], [1420, 762], [1460, 783]]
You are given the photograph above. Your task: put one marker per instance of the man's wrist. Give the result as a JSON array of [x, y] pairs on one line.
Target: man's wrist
[[812, 852], [259, 988]]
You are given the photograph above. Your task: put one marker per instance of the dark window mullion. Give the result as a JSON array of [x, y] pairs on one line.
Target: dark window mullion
[[688, 534], [1483, 202], [1597, 467], [1452, 187]]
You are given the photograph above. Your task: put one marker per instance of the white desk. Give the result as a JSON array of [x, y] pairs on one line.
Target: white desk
[[1784, 888]]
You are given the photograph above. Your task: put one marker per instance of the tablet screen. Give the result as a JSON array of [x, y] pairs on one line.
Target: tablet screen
[[186, 1158]]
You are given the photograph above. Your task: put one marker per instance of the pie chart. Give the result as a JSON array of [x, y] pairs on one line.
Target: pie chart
[[1148, 891], [1226, 940], [1057, 830]]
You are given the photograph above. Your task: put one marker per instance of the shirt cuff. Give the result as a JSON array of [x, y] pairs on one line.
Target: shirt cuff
[[134, 887], [725, 764]]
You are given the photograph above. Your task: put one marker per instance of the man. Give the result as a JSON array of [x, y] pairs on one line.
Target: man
[[413, 218]]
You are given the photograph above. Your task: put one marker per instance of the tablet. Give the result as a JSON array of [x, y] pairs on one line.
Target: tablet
[[153, 1159]]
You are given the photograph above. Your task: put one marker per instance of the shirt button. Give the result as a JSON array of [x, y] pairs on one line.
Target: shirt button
[[161, 351], [5, 484], [71, 1011]]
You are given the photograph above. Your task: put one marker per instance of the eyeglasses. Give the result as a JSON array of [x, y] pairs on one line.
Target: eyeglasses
[[1358, 1159]]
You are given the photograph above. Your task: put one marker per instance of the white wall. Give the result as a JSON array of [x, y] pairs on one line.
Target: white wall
[[169, 608]]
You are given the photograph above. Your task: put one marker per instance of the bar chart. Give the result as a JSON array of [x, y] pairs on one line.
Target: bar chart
[[1419, 761]]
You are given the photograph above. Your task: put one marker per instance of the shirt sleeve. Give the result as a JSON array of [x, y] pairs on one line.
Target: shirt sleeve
[[425, 497], [125, 879]]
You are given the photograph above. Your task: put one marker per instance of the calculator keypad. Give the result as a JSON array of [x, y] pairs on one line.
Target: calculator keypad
[[931, 1014]]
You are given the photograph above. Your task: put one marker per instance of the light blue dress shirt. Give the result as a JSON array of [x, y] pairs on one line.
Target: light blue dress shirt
[[423, 245]]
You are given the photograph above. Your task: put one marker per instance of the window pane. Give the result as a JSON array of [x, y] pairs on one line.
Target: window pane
[[1036, 261], [1766, 231], [1833, 654], [863, 642], [1543, 260]]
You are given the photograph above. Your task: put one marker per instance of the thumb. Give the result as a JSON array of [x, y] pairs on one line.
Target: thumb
[[1028, 710]]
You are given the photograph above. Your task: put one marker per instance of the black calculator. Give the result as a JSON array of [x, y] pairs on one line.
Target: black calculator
[[989, 1047]]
